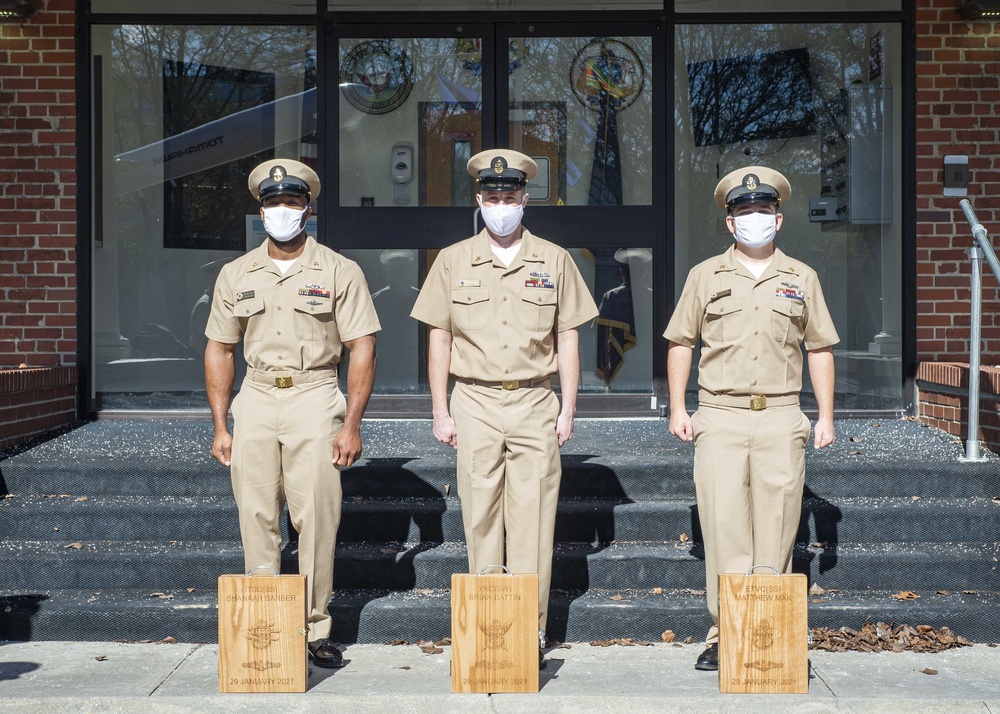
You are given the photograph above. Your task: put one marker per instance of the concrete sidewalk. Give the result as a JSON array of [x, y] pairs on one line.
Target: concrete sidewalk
[[55, 677]]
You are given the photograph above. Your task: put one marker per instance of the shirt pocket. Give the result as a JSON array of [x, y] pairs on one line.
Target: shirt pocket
[[723, 321], [786, 320], [313, 317], [251, 315], [470, 308], [537, 309]]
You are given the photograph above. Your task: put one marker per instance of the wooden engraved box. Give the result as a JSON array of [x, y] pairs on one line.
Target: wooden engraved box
[[763, 634], [262, 633], [494, 633]]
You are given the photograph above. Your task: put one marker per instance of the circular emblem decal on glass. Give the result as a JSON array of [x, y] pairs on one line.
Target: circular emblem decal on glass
[[607, 72], [376, 76]]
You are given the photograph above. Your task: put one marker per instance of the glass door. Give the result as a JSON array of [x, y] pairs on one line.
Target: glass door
[[413, 106]]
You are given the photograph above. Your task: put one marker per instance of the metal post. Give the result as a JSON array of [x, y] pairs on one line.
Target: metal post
[[980, 245], [975, 334]]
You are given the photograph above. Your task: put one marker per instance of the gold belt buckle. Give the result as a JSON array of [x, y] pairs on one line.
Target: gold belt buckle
[[758, 402], [510, 384], [282, 382]]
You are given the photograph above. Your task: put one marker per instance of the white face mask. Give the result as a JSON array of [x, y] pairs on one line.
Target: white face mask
[[502, 220], [755, 230], [283, 223]]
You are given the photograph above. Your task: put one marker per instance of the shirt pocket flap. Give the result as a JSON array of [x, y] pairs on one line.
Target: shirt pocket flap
[[470, 296], [249, 308], [313, 305], [725, 306], [787, 306], [539, 296]]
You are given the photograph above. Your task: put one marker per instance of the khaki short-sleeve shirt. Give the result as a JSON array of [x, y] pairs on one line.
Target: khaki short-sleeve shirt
[[295, 321], [752, 329], [503, 320]]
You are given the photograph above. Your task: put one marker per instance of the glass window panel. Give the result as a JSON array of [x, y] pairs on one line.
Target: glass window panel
[[182, 114], [409, 109], [490, 5], [741, 6], [205, 7], [616, 352], [835, 134], [582, 107]]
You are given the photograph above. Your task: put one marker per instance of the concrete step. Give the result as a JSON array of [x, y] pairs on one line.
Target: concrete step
[[125, 565], [888, 507], [620, 459], [384, 616], [365, 519]]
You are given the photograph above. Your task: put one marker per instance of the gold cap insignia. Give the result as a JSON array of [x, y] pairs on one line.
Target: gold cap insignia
[[750, 182], [499, 165], [277, 173]]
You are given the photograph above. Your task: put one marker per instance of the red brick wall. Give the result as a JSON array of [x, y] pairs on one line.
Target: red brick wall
[[958, 89], [33, 401], [943, 400], [38, 190]]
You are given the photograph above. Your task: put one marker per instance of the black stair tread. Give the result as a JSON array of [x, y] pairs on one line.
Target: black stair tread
[[622, 441], [381, 616], [621, 455], [587, 476], [362, 551], [55, 564], [569, 504]]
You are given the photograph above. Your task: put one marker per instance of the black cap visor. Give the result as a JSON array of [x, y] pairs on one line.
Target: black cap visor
[[290, 186], [752, 197], [493, 182]]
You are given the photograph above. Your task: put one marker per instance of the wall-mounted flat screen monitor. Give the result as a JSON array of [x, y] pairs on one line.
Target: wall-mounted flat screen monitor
[[766, 95]]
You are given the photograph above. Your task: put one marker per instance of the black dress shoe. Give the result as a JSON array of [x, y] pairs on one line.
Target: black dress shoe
[[708, 661], [325, 654]]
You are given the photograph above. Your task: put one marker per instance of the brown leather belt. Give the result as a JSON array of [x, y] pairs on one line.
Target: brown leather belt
[[753, 402], [507, 384], [285, 378]]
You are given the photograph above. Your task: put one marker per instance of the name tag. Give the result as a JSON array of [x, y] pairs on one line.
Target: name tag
[[245, 295], [469, 283]]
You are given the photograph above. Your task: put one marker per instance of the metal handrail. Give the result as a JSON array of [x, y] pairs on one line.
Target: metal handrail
[[981, 247]]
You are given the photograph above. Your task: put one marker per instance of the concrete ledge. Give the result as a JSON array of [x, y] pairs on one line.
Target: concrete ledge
[[34, 400], [943, 400]]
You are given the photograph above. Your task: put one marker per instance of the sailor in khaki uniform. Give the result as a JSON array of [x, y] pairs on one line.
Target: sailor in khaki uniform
[[503, 308], [294, 303], [753, 308]]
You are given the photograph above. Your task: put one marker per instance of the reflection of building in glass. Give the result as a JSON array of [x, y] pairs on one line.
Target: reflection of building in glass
[[398, 360]]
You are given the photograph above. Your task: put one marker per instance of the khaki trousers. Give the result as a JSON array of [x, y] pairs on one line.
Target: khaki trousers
[[508, 479], [749, 471], [282, 452]]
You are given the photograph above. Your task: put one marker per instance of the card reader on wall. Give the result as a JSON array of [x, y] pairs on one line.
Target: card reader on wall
[[956, 175], [822, 210], [401, 170]]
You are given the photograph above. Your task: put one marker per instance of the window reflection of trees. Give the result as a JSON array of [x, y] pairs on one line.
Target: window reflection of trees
[[541, 72], [837, 55], [545, 76], [164, 292]]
